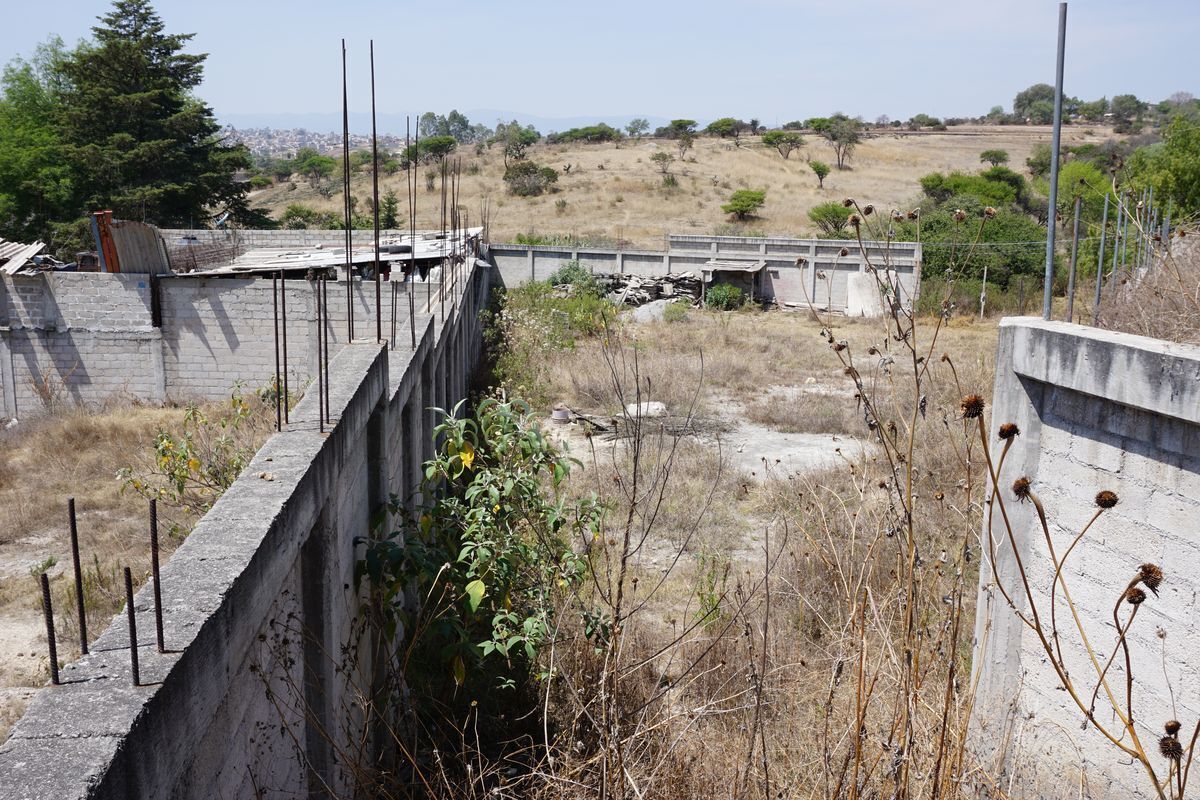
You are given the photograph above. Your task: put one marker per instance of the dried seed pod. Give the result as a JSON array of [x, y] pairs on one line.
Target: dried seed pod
[[854, 220], [1172, 727], [989, 212], [845, 251], [868, 210], [972, 406], [1151, 575], [1008, 430], [1021, 488], [1170, 747], [848, 203], [1106, 499], [959, 215], [1134, 596], [916, 212]]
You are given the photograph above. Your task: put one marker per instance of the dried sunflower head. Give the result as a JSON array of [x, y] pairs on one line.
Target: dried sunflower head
[[1151, 575], [1021, 488], [1135, 596], [972, 406], [1009, 430], [1106, 499], [1170, 747]]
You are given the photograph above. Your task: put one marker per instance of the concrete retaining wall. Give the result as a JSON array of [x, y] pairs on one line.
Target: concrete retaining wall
[[823, 276], [256, 695], [1097, 410]]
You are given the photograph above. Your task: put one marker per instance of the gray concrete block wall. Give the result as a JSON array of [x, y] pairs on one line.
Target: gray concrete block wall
[[1098, 410], [259, 604]]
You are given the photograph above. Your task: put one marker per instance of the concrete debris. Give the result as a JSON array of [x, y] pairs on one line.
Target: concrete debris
[[652, 408], [637, 290]]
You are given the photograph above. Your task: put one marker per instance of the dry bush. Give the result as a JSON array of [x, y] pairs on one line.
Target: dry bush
[[1164, 302]]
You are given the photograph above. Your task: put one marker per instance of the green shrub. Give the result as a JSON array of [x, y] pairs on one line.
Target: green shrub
[[573, 273], [830, 218], [723, 297], [527, 179], [745, 202], [675, 312]]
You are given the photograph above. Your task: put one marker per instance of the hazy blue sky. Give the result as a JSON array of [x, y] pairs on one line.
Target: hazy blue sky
[[770, 59]]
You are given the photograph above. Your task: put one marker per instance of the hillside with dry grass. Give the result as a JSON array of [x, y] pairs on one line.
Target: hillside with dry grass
[[614, 192]]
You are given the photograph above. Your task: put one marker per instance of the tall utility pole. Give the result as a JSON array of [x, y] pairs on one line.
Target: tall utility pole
[[1056, 140]]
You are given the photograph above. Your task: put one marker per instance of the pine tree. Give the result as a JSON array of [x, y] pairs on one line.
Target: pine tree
[[138, 140]]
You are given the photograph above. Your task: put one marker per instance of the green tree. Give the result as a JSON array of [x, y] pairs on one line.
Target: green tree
[[830, 218], [389, 208], [1095, 110], [919, 121], [313, 166], [1041, 112], [676, 128], [1172, 167], [728, 128], [1025, 100], [684, 142], [35, 186], [1039, 160], [1127, 110], [137, 138], [821, 170], [842, 133], [745, 202], [637, 127], [783, 141], [994, 157], [515, 139], [527, 179]]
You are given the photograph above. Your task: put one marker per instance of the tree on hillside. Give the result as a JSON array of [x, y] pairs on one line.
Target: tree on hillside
[[676, 128], [842, 133], [821, 170], [1024, 102], [1038, 162], [1095, 110], [137, 139], [830, 218], [684, 142], [313, 166], [783, 141], [663, 160], [745, 202], [1172, 167], [515, 139], [389, 208], [1127, 110], [728, 128], [637, 127], [994, 157]]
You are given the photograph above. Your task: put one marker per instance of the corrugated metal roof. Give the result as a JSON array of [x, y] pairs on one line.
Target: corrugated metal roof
[[14, 255]]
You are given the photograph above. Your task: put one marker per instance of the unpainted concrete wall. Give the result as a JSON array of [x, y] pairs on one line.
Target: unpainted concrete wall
[[1097, 410], [823, 276], [256, 696]]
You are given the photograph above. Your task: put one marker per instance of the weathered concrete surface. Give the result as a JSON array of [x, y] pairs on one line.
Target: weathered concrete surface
[[1097, 410], [257, 696]]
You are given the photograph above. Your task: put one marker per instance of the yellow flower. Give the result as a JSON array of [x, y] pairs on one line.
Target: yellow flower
[[194, 464], [496, 508], [467, 454]]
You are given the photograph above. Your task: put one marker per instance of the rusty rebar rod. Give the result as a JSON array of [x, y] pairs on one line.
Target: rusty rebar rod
[[158, 609], [79, 604], [375, 206], [283, 318], [278, 383], [48, 611], [133, 645]]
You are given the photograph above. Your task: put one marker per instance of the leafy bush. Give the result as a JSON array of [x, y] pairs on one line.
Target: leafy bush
[[592, 134], [575, 274], [491, 555], [434, 148], [723, 297], [527, 179], [995, 157], [745, 202], [675, 312], [298, 216], [830, 218]]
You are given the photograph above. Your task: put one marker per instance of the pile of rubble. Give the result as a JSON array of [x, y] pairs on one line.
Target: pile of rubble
[[637, 290]]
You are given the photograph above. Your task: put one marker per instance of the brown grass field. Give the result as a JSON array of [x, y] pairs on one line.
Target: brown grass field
[[614, 191]]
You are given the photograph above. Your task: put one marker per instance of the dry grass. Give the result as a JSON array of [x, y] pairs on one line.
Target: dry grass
[[1165, 303], [43, 462], [615, 192]]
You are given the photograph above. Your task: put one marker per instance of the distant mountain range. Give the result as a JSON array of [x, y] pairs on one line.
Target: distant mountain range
[[323, 122]]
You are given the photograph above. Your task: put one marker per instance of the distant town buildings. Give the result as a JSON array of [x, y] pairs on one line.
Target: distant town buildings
[[273, 143]]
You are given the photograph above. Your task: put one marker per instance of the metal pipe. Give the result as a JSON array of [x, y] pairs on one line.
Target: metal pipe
[[283, 314], [48, 612], [320, 356], [325, 300], [375, 204], [278, 382], [158, 611], [79, 604], [1056, 140], [346, 205], [1100, 263], [133, 644], [1074, 262]]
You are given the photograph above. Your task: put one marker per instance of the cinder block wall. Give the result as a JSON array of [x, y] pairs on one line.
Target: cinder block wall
[[823, 277], [1097, 410], [255, 695]]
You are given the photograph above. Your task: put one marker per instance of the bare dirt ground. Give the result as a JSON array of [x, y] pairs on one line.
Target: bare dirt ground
[[613, 192]]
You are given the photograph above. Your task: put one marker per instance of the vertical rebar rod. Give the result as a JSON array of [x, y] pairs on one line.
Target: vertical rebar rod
[[1056, 140], [133, 644], [412, 234], [283, 317], [375, 204], [325, 300], [346, 205], [1074, 261], [1116, 245], [78, 569], [48, 612], [158, 610], [320, 355], [278, 382], [1100, 263]]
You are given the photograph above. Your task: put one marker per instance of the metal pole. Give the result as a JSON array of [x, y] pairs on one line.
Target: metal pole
[[1112, 275], [48, 611], [1056, 140], [320, 355], [1074, 262], [283, 313], [375, 197], [79, 605], [346, 201], [133, 645], [278, 382], [158, 611], [1100, 263]]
